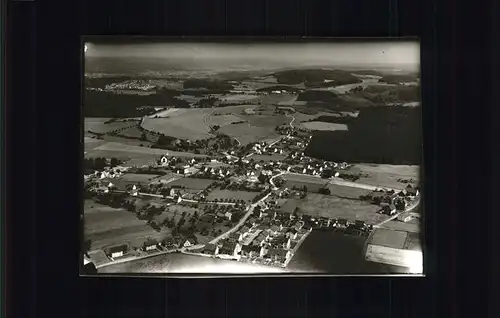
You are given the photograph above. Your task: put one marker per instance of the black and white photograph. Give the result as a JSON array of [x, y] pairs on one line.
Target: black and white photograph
[[253, 156]]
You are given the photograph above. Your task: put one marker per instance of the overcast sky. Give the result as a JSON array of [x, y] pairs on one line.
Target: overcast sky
[[278, 54]]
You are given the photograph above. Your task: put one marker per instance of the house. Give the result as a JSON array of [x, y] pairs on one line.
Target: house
[[400, 204], [262, 227], [278, 254], [387, 208], [210, 249], [281, 242], [189, 242], [267, 233], [230, 248], [169, 243], [117, 251], [150, 245], [274, 229], [342, 223], [134, 190], [259, 240], [252, 251], [411, 191], [298, 225], [266, 221], [258, 213], [292, 234], [164, 160], [359, 224], [244, 230], [236, 236], [272, 214], [172, 192], [228, 215]]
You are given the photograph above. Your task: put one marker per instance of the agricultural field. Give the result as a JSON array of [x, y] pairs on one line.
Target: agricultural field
[[319, 125], [303, 178], [346, 192], [139, 178], [182, 127], [227, 194], [388, 238], [412, 226], [312, 187], [192, 183], [92, 143], [246, 133], [288, 205], [265, 120], [276, 99], [137, 161], [332, 207], [266, 158], [413, 242], [98, 125], [127, 152], [238, 98], [99, 257], [222, 120], [106, 226], [132, 132], [168, 178], [129, 141], [176, 212], [170, 112], [386, 175], [393, 256]]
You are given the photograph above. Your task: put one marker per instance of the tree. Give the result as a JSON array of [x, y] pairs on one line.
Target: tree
[[143, 137], [86, 244], [114, 162], [324, 191]]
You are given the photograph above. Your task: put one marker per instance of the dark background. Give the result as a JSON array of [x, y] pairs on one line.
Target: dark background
[[44, 153]]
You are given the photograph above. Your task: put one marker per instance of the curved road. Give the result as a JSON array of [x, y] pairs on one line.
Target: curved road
[[241, 222]]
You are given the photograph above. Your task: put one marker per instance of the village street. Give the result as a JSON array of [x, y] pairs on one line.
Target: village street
[[242, 220]]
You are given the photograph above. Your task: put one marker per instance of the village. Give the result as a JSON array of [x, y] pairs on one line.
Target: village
[[228, 205]]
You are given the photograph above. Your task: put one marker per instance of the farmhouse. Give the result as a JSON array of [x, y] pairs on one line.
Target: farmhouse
[[169, 243], [244, 230], [210, 249], [388, 208], [411, 191], [230, 248], [281, 242], [260, 240], [278, 254], [164, 160], [342, 223], [236, 236], [292, 234], [252, 251], [150, 245], [189, 242], [117, 251], [359, 224]]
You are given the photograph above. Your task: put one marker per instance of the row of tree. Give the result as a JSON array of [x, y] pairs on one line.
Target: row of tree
[[100, 163]]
